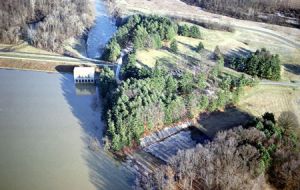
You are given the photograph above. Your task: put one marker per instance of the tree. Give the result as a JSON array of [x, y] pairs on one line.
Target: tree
[[174, 46], [217, 53], [260, 63], [170, 33], [112, 51], [200, 47], [183, 30], [55, 22], [195, 32], [186, 83], [201, 82], [156, 41]]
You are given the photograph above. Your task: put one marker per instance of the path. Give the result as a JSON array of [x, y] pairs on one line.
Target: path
[[278, 83], [53, 58]]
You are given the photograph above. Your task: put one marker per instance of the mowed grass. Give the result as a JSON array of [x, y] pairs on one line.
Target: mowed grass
[[148, 57], [267, 98]]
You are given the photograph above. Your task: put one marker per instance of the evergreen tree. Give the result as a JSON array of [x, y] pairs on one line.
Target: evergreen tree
[[183, 30], [195, 32], [174, 46], [200, 47]]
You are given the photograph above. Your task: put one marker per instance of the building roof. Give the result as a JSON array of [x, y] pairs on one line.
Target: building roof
[[84, 72]]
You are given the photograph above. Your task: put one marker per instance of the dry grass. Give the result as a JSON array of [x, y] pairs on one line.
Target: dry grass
[[24, 47], [264, 98]]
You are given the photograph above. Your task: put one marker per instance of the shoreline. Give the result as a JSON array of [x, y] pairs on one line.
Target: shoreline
[[51, 67]]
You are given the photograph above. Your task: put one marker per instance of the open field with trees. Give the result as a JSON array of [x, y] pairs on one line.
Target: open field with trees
[[44, 24], [238, 43], [152, 98]]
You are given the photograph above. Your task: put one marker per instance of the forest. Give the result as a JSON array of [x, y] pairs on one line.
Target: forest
[[253, 9], [266, 150], [44, 24]]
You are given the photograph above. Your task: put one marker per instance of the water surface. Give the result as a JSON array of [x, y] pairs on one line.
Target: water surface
[[45, 132], [101, 32]]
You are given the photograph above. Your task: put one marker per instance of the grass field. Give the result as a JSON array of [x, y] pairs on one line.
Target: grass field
[[264, 98]]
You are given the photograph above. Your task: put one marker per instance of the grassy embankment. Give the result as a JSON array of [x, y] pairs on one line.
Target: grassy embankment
[[33, 62]]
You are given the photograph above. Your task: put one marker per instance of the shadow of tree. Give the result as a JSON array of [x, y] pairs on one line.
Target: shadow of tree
[[240, 52], [295, 69], [65, 68], [104, 171], [217, 121]]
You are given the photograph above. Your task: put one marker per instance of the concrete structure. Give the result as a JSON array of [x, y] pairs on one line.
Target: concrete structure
[[84, 74]]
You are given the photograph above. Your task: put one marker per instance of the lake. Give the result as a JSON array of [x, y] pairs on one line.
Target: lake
[[45, 133]]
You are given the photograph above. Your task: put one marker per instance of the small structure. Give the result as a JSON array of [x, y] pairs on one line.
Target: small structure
[[84, 74]]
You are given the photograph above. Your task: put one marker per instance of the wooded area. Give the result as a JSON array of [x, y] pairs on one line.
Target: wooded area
[[44, 24], [254, 9], [264, 151]]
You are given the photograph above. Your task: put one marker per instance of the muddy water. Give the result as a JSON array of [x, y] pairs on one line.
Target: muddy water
[[45, 132]]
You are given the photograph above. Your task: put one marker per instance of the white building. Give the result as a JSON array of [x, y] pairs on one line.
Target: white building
[[84, 74]]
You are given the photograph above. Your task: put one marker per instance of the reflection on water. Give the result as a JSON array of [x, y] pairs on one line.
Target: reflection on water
[[85, 89], [45, 132]]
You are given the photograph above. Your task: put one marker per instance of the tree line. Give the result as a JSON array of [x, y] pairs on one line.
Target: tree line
[[253, 9], [44, 24], [261, 63], [265, 151]]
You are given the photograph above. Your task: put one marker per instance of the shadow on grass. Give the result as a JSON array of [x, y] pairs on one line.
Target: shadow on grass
[[65, 68], [212, 123], [295, 69]]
